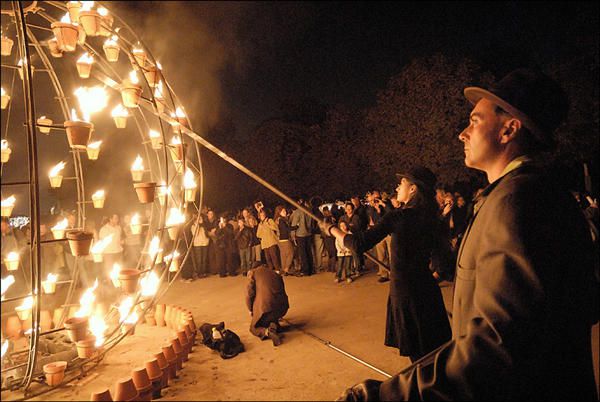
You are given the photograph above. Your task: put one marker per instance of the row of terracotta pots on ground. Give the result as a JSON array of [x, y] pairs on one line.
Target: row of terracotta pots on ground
[[146, 382]]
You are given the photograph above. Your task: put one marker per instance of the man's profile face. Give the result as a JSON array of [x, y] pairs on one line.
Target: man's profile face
[[349, 210], [210, 215], [114, 219], [482, 137]]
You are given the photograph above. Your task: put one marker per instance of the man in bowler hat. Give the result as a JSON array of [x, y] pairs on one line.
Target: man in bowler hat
[[525, 297]]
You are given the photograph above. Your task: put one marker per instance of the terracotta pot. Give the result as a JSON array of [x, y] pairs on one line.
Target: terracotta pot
[[44, 122], [125, 390], [81, 36], [129, 279], [78, 133], [150, 320], [185, 343], [156, 375], [7, 45], [6, 153], [56, 181], [178, 151], [131, 93], [80, 242], [55, 372], [7, 210], [98, 202], [4, 101], [86, 348], [179, 352], [168, 314], [93, 153], [84, 69], [141, 379], [164, 366], [171, 359], [140, 58], [106, 26], [45, 320], [145, 191], [173, 232], [13, 327], [77, 328], [66, 35], [120, 121], [159, 315], [112, 52], [90, 21], [190, 194], [189, 334], [103, 396], [74, 7], [97, 257], [23, 313], [152, 75]]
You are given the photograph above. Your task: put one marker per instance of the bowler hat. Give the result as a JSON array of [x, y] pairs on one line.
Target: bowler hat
[[421, 176], [530, 96]]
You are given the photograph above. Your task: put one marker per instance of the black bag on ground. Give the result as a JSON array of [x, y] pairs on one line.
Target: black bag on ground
[[224, 341]]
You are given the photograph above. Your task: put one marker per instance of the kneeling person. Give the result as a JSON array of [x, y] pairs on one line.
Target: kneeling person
[[267, 301]]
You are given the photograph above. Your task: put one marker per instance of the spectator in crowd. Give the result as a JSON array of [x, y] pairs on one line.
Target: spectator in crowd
[[303, 234], [354, 226], [215, 256], [344, 256], [244, 239], [200, 246], [113, 253], [329, 241], [267, 302], [286, 247], [317, 243], [376, 208], [417, 321], [9, 242], [267, 233], [525, 299]]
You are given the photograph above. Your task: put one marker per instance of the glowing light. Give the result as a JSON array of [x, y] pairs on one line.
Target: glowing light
[[24, 310], [87, 301], [100, 245], [174, 265], [8, 202], [61, 225], [138, 164], [189, 180], [176, 217], [151, 134], [135, 219], [66, 18], [2, 92], [74, 116], [158, 92], [112, 41], [5, 145], [87, 5], [114, 275], [86, 58], [4, 347], [56, 170], [98, 328], [7, 283], [150, 284], [120, 111], [95, 145], [154, 247], [102, 11], [49, 285], [91, 100], [176, 140], [133, 78], [179, 112], [127, 312], [52, 278]]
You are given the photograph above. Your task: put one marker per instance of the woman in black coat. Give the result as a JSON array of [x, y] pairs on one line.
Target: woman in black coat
[[417, 321]]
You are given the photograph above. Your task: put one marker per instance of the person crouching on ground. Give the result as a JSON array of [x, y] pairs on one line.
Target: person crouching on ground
[[267, 302]]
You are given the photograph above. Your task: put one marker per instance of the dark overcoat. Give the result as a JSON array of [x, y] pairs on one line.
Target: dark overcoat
[[265, 294], [522, 303], [417, 321]]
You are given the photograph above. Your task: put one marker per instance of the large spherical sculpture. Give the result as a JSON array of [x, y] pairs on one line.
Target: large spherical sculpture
[[89, 122]]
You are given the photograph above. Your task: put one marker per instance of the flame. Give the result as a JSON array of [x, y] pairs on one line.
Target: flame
[[2, 91], [114, 275], [98, 328], [154, 134], [138, 164], [163, 190], [91, 100], [120, 111], [51, 278], [4, 145], [135, 219], [102, 11], [112, 41], [158, 92], [137, 50], [95, 145], [98, 195], [27, 303], [189, 181], [176, 140], [12, 256], [74, 116], [6, 283], [179, 112], [158, 65], [154, 247], [62, 225], [100, 245], [175, 217], [87, 301], [127, 312], [21, 62], [4, 347], [133, 78], [86, 58], [150, 284], [66, 19], [87, 5], [55, 171], [8, 202]]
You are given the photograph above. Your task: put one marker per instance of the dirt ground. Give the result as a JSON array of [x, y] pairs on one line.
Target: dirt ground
[[350, 316]]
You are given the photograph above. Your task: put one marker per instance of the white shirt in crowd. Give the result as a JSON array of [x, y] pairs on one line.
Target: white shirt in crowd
[[115, 244]]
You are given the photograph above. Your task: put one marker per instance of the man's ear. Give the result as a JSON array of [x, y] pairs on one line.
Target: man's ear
[[509, 130]]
